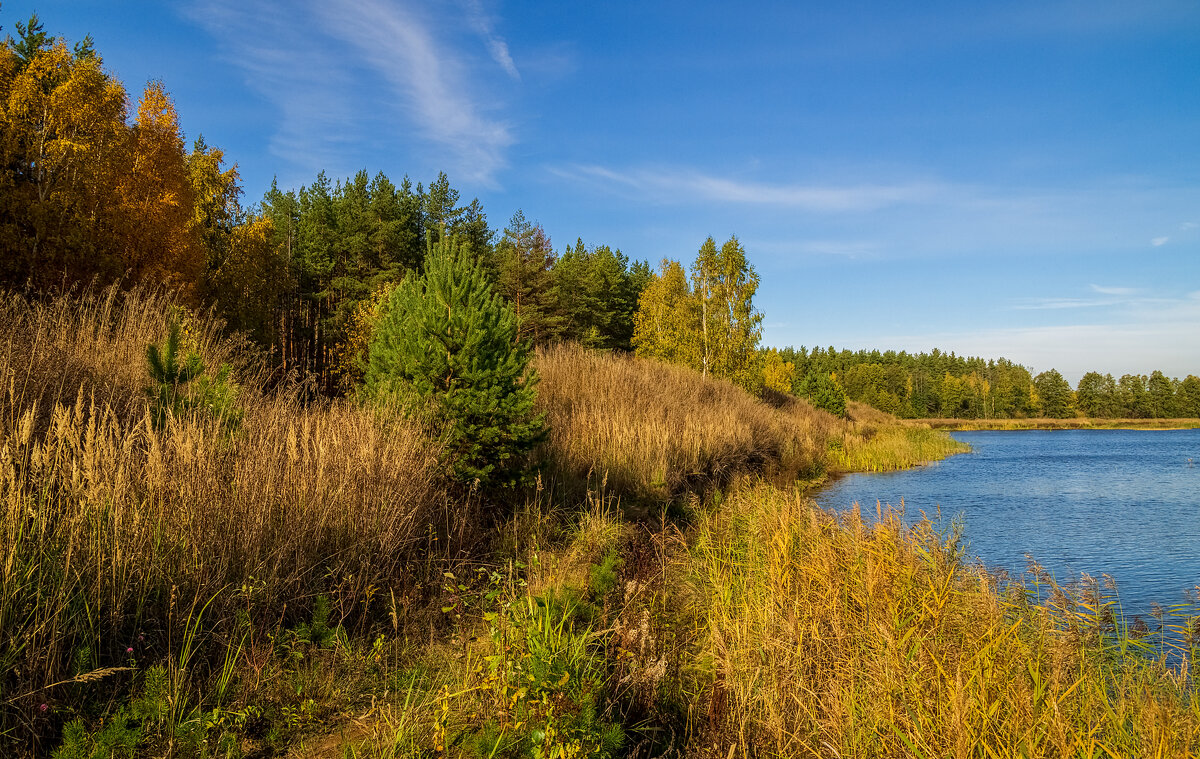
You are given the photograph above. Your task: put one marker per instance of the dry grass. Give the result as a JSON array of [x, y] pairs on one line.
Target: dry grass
[[94, 346], [117, 535], [656, 430], [193, 547], [859, 639], [877, 442]]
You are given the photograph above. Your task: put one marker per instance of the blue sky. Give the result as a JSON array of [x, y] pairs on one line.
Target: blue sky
[[1009, 178]]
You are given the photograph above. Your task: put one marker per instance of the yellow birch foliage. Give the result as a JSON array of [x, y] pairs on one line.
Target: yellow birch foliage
[[353, 354], [245, 284], [777, 373], [62, 124], [666, 324], [215, 191]]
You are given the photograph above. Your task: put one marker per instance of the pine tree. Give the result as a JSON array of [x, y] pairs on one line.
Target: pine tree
[[823, 392], [169, 374], [178, 383], [448, 346], [33, 39], [524, 260], [442, 214]]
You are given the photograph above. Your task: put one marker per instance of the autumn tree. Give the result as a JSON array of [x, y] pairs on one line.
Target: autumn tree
[[83, 193], [709, 324], [666, 326], [777, 374], [245, 282], [63, 142], [159, 240], [724, 283]]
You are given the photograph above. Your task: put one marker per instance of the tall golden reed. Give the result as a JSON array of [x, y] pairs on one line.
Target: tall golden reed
[[113, 533], [856, 638]]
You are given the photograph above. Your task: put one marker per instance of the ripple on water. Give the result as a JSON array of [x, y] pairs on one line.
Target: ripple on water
[[1119, 502]]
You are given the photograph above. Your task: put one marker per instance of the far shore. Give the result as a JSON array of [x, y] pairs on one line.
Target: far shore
[[1081, 423]]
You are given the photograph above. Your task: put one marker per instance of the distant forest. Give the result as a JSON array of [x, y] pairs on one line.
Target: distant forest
[[937, 384], [92, 193]]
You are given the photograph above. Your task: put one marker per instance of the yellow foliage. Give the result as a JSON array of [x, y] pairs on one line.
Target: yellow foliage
[[777, 373], [157, 197], [248, 279], [663, 326], [353, 354], [85, 193]]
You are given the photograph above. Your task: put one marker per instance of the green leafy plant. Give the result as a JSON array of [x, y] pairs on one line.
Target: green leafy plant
[[545, 682], [602, 577], [318, 632]]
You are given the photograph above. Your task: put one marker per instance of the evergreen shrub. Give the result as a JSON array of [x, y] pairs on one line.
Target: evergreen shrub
[[446, 347]]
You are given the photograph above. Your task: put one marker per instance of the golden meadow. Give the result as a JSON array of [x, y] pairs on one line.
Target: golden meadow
[[305, 583]]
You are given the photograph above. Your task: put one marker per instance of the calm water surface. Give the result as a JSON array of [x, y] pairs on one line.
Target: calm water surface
[[1121, 502]]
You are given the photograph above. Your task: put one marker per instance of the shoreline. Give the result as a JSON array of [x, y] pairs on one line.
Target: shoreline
[[972, 425]]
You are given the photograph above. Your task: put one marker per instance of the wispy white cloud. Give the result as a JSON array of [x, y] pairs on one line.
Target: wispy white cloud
[[347, 75], [1159, 241], [397, 45], [903, 215], [681, 184], [1188, 225], [1124, 297], [1107, 290], [483, 25], [1054, 304]]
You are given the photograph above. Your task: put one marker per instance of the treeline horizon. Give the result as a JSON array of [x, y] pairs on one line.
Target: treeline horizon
[[95, 191], [945, 385]]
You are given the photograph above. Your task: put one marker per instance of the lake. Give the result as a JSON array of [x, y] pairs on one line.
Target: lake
[[1119, 502]]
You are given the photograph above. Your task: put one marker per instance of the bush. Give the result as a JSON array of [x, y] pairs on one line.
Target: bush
[[447, 345]]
